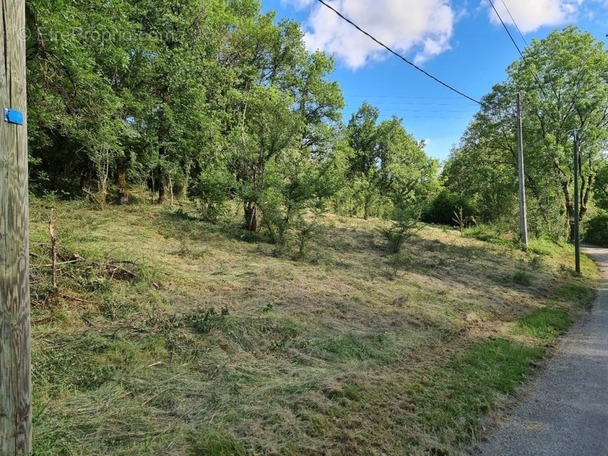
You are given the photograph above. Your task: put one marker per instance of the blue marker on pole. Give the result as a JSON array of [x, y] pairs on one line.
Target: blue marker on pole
[[13, 116]]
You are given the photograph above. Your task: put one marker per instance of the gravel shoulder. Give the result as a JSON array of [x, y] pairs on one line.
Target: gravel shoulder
[[566, 413]]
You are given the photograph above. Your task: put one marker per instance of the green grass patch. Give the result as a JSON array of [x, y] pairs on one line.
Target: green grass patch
[[76, 365], [216, 444], [501, 365], [487, 233], [575, 293], [547, 247], [355, 347], [523, 277], [450, 406], [545, 323]]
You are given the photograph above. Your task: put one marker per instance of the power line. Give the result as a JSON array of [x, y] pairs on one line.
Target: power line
[[515, 23], [396, 54], [540, 86], [506, 28]]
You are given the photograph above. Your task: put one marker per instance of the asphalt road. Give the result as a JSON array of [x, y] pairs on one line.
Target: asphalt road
[[566, 413]]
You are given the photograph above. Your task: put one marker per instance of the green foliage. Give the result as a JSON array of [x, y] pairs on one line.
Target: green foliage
[[596, 229], [298, 189], [208, 320], [563, 79], [600, 187], [490, 233], [442, 207], [212, 191], [403, 226], [389, 170], [545, 323]]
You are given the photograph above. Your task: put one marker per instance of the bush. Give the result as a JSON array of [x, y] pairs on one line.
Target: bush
[[403, 226], [212, 191], [446, 203], [596, 229]]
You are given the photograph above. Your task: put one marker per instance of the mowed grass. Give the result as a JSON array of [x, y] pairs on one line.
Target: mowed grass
[[169, 335]]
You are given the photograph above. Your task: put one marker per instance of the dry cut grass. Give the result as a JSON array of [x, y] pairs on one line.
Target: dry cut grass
[[174, 336]]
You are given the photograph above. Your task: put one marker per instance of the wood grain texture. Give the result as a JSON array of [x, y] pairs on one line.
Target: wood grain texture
[[15, 377]]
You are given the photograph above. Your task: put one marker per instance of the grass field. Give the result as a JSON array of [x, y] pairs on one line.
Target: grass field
[[172, 336]]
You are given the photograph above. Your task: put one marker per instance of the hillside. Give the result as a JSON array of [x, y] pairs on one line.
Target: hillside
[[169, 335]]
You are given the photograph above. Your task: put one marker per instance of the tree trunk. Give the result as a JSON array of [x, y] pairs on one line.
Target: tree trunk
[[586, 194], [160, 179], [123, 191], [252, 216], [366, 207], [163, 152], [569, 206]]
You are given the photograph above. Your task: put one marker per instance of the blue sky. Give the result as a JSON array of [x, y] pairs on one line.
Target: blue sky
[[459, 41]]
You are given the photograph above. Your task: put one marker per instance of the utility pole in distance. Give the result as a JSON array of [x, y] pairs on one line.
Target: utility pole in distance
[[577, 240], [15, 358], [523, 213]]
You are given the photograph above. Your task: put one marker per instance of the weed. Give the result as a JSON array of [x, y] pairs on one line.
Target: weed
[[398, 233], [71, 368], [536, 262], [203, 323], [522, 276]]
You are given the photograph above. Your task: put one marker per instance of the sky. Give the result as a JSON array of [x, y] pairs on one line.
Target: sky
[[460, 42]]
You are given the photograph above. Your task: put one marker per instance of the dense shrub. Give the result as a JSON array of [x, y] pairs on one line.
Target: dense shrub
[[596, 229], [446, 203]]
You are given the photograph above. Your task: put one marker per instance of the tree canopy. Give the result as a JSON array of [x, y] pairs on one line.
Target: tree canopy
[[207, 99], [563, 82]]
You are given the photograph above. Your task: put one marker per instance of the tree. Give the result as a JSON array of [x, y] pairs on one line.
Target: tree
[[361, 132], [601, 185], [169, 72], [284, 102], [74, 52], [564, 82], [571, 68], [388, 168]]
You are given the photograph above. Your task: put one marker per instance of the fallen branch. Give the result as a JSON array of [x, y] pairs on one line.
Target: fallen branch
[[114, 268], [56, 264]]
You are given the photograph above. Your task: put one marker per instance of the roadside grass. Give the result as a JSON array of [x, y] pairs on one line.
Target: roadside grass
[[450, 408], [169, 335], [545, 323]]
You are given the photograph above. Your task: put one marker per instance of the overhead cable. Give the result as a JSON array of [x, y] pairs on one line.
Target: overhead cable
[[396, 54]]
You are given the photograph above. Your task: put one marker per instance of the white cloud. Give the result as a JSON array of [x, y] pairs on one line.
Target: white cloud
[[298, 4], [421, 27], [530, 15]]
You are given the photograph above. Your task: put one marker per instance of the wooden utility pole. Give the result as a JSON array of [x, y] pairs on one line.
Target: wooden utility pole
[[15, 377], [577, 240], [523, 213]]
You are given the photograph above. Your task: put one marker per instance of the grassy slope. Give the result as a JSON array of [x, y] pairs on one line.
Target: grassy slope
[[218, 347]]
